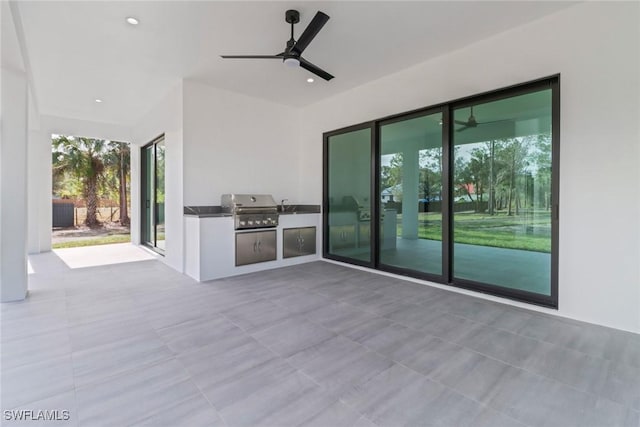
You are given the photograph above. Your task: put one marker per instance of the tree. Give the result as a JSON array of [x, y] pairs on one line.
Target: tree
[[542, 161], [83, 159], [391, 176], [476, 172], [431, 174], [117, 158], [512, 155]]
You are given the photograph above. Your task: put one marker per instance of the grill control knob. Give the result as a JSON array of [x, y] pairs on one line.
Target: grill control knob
[[250, 222]]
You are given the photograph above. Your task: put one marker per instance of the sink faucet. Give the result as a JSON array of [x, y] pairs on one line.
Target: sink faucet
[[282, 204]]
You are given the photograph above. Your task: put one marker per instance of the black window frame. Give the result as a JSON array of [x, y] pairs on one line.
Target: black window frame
[[550, 82], [143, 192], [325, 197]]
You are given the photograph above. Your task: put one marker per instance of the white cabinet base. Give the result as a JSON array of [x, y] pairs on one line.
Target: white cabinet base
[[210, 246]]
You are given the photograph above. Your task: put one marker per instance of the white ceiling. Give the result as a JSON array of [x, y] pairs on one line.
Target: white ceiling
[[83, 50]]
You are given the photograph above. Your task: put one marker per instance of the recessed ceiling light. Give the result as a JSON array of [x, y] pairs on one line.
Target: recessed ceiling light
[[98, 100], [133, 21], [309, 80]]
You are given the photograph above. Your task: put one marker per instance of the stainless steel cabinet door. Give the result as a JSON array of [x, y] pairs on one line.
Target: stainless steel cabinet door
[[342, 236], [257, 246], [298, 241]]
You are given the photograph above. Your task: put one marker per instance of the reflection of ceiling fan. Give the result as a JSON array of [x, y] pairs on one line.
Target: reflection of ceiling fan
[[292, 53], [472, 122]]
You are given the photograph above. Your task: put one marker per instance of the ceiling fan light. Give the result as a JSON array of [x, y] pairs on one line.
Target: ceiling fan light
[[291, 62]]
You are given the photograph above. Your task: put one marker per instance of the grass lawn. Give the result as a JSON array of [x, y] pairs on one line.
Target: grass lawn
[[105, 240], [531, 233]]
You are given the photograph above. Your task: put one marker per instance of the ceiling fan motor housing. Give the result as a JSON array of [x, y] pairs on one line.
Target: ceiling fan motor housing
[[292, 16]]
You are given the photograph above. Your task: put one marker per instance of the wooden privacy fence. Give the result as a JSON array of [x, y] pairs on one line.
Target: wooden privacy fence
[[68, 214]]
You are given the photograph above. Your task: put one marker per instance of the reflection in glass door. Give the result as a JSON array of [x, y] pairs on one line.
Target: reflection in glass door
[[502, 201], [411, 193], [348, 195], [463, 193], [152, 186]]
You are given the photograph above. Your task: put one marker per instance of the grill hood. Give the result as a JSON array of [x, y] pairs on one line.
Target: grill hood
[[231, 202]]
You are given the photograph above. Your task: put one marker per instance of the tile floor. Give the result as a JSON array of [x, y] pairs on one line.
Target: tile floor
[[317, 344]]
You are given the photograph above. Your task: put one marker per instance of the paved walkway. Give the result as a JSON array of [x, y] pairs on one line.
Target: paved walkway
[[87, 256]]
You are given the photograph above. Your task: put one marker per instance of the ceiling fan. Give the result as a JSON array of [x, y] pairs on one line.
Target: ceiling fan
[[292, 55], [471, 122]]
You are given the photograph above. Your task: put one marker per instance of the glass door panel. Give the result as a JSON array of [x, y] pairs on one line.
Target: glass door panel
[[411, 194], [159, 205], [349, 195], [147, 196], [502, 185], [153, 195]]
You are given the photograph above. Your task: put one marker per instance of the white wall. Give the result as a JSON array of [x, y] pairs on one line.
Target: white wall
[[14, 117], [216, 142], [595, 47], [39, 192], [88, 129], [237, 144], [13, 186], [165, 118]]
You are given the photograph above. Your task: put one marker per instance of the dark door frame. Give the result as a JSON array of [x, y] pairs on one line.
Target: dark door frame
[[551, 82], [144, 187]]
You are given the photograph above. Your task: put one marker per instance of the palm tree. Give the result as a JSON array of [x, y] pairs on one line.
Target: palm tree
[[82, 158], [117, 158]]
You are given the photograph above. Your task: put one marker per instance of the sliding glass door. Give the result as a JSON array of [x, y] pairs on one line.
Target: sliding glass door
[[463, 193], [152, 186], [502, 175], [347, 204], [411, 194]]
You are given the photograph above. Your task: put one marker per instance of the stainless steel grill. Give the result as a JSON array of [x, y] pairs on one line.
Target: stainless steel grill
[[363, 211], [251, 210]]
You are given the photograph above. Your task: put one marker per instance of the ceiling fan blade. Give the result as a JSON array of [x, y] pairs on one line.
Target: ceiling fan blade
[[463, 128], [310, 32], [495, 121], [460, 122], [251, 56], [315, 70]]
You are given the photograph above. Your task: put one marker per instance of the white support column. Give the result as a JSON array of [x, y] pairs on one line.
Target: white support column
[[410, 165], [39, 190], [13, 186]]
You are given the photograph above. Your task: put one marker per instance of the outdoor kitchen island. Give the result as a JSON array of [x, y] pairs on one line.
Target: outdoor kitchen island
[[212, 238]]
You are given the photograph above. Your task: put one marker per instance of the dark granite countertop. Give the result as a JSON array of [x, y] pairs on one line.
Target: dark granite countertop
[[205, 211], [216, 211], [298, 209]]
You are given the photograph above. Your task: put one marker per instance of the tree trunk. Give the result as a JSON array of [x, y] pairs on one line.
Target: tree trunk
[[512, 179], [124, 213], [492, 193], [466, 188], [92, 202]]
